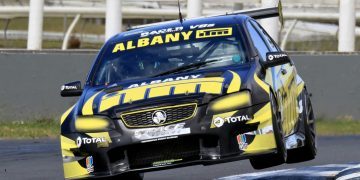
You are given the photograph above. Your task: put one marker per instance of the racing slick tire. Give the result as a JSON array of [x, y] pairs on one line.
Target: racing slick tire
[[309, 150], [265, 161]]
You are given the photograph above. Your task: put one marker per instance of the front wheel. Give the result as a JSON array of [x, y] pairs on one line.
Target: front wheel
[[280, 157], [309, 150]]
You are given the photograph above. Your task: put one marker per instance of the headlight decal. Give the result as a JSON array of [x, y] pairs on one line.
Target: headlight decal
[[93, 124], [231, 102]]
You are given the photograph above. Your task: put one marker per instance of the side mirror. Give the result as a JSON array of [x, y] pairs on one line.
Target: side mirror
[[71, 89], [275, 59]]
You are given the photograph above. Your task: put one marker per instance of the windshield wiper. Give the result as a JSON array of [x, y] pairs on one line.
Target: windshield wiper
[[184, 68]]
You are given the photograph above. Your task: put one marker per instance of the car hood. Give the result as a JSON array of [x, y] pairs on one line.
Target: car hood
[[97, 100]]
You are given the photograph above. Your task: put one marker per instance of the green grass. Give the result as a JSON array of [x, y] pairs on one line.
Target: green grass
[[46, 44], [43, 128], [338, 127], [47, 128], [87, 26]]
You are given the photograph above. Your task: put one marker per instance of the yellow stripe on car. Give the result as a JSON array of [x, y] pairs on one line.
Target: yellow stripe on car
[[66, 114], [67, 143], [74, 170], [261, 143], [263, 116], [207, 85], [88, 106], [262, 84], [159, 91], [235, 83], [300, 88]]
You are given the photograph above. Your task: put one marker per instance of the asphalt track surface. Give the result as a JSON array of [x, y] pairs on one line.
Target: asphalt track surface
[[40, 159]]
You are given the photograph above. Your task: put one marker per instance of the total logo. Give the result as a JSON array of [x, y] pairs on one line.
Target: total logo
[[218, 121], [80, 141]]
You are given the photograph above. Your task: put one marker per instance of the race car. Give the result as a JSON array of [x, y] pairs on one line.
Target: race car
[[197, 91]]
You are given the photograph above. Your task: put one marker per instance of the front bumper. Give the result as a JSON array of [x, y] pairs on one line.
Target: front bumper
[[199, 140]]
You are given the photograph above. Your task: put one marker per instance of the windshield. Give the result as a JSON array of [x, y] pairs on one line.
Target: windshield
[[148, 54]]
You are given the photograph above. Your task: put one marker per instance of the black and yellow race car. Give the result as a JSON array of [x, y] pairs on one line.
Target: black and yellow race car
[[199, 91]]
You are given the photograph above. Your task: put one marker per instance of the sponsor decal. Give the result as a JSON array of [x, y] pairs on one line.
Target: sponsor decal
[[271, 57], [161, 31], [217, 32], [159, 117], [165, 162], [163, 131], [81, 141], [90, 164], [163, 36], [165, 80], [174, 29], [63, 87], [219, 121], [241, 139]]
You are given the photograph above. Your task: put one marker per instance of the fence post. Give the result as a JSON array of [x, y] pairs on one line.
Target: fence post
[[36, 14], [271, 25], [113, 24], [194, 8], [346, 26]]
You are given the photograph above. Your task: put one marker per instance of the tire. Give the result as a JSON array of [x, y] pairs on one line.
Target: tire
[[265, 161], [309, 150]]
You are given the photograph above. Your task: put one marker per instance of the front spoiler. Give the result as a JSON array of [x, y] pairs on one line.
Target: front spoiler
[[204, 162]]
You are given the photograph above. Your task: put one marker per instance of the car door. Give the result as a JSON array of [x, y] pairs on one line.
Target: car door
[[281, 78]]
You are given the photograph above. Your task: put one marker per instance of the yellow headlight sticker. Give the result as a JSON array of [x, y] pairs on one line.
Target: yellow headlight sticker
[[215, 32], [91, 124], [231, 102]]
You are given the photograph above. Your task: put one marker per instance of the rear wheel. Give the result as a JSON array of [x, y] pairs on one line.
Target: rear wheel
[[308, 151], [280, 157]]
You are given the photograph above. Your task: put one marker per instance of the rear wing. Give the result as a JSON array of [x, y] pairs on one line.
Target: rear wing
[[259, 13]]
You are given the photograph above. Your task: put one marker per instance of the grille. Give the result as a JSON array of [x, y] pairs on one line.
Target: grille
[[171, 151], [144, 118]]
